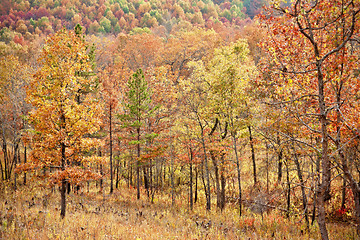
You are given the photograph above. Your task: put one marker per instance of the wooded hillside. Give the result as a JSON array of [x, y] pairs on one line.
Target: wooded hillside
[[208, 108]]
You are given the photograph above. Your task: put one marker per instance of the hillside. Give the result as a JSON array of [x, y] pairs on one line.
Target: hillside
[[20, 20], [202, 118]]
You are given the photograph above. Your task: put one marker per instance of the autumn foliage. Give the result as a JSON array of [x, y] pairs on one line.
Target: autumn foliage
[[244, 126]]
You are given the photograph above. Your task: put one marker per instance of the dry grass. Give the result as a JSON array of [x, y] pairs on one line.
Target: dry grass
[[33, 213]]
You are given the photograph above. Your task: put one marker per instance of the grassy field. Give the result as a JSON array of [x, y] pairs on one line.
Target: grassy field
[[33, 213]]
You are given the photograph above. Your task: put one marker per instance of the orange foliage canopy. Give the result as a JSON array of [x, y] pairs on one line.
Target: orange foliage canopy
[[66, 111]]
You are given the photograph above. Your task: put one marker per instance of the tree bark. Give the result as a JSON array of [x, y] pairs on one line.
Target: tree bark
[[63, 183], [172, 182], [217, 179], [288, 195], [238, 174], [252, 154], [111, 149], [302, 185], [207, 187], [138, 164], [25, 160], [222, 192], [196, 185], [16, 156], [191, 201], [324, 194], [280, 162], [146, 180]]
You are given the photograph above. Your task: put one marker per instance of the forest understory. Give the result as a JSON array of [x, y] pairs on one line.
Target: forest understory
[[32, 212]]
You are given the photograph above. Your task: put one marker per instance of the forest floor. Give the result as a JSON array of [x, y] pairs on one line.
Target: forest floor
[[34, 213]]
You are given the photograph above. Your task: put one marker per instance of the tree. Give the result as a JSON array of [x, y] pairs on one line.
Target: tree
[[14, 77], [195, 99], [66, 112], [310, 62], [136, 112], [227, 74]]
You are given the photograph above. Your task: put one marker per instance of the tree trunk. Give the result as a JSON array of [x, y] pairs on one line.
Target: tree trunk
[[111, 149], [288, 195], [3, 169], [317, 174], [252, 154], [138, 165], [101, 179], [217, 179], [191, 202], [196, 185], [25, 160], [203, 180], [102, 174], [280, 162], [324, 194], [208, 194], [68, 189], [151, 181], [16, 158], [146, 180], [267, 167], [130, 172], [118, 173], [223, 186], [238, 173], [302, 185], [343, 194], [63, 182], [172, 182], [4, 172]]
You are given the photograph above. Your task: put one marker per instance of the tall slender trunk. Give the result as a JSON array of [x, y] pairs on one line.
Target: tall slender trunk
[[5, 152], [117, 173], [208, 194], [151, 177], [138, 164], [267, 167], [217, 179], [288, 195], [324, 193], [146, 180], [317, 184], [238, 173], [1, 166], [196, 184], [63, 162], [130, 173], [280, 163], [343, 194], [63, 182], [172, 182], [15, 160], [111, 149], [25, 160], [102, 174], [191, 202], [302, 185], [223, 185], [203, 179], [252, 154], [280, 160]]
